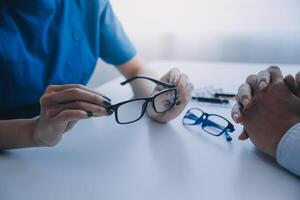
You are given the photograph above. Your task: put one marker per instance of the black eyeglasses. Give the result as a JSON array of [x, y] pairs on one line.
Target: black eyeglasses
[[130, 111], [213, 124]]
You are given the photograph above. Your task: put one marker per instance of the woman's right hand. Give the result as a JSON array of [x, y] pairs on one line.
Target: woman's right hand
[[62, 107]]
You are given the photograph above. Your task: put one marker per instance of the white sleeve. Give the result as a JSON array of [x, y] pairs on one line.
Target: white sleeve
[[288, 150]]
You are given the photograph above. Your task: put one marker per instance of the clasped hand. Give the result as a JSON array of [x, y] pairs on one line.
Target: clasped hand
[[268, 105]]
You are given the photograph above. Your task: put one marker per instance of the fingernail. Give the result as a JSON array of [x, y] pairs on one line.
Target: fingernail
[[241, 138], [262, 85], [105, 97], [236, 117], [245, 102], [106, 103], [89, 114], [109, 111]]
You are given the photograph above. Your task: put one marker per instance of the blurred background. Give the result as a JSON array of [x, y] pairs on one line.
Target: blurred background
[[246, 31]]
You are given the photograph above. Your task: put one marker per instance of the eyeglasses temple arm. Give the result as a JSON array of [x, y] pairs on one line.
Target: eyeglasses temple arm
[[231, 129], [150, 79], [228, 138], [194, 117]]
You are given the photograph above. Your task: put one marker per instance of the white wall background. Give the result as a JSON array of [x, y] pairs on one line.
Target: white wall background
[[212, 30], [199, 15]]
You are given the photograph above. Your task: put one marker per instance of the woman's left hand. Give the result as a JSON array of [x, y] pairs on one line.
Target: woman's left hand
[[184, 89]]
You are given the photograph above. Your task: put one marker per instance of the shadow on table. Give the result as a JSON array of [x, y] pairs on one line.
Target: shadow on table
[[259, 172], [270, 161], [218, 142], [6, 154], [169, 153]]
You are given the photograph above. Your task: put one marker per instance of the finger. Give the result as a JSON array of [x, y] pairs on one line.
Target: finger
[[58, 88], [172, 76], [244, 95], [276, 74], [181, 86], [159, 88], [263, 79], [290, 82], [188, 91], [70, 115], [252, 81], [244, 135], [182, 82], [93, 109], [76, 94], [236, 113], [71, 125], [298, 83], [298, 78]]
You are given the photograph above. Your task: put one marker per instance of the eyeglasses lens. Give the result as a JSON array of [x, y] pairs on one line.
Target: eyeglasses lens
[[130, 111], [214, 125], [165, 101]]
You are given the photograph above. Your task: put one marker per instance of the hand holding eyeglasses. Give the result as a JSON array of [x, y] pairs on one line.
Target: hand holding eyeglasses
[[184, 89], [166, 102], [62, 106]]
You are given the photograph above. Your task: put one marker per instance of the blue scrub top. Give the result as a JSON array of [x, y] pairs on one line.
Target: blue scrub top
[[44, 42]]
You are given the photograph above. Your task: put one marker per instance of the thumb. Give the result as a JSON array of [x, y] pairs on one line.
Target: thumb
[[291, 84], [244, 135]]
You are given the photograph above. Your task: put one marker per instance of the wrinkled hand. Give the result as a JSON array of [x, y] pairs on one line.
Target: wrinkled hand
[[62, 107], [183, 95], [267, 107], [261, 81]]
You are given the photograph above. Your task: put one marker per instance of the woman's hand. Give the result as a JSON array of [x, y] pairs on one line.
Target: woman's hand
[[136, 67], [62, 107], [184, 89]]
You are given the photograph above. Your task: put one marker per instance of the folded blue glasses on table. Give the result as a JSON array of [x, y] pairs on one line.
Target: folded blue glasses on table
[[212, 124]]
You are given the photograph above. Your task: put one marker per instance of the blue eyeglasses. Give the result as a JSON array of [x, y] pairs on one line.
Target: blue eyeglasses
[[212, 124]]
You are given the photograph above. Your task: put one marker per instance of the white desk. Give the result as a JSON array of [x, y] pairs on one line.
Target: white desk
[[100, 159]]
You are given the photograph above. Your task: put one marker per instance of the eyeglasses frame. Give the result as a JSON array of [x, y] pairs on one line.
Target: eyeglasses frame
[[170, 87], [229, 127]]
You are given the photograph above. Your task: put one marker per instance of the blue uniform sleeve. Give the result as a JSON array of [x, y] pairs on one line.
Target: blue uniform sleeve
[[115, 46], [288, 150]]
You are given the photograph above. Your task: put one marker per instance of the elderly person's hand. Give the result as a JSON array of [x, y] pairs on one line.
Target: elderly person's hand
[[268, 105]]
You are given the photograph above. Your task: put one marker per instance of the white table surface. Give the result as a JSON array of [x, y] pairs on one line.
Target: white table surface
[[100, 159]]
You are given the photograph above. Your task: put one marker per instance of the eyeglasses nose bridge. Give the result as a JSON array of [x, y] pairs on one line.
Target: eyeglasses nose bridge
[[204, 116], [147, 101]]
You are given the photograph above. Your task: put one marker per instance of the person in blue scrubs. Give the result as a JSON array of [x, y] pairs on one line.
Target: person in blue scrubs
[[48, 51]]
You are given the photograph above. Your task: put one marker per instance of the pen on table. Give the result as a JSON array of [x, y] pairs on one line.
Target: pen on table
[[217, 95], [211, 100]]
